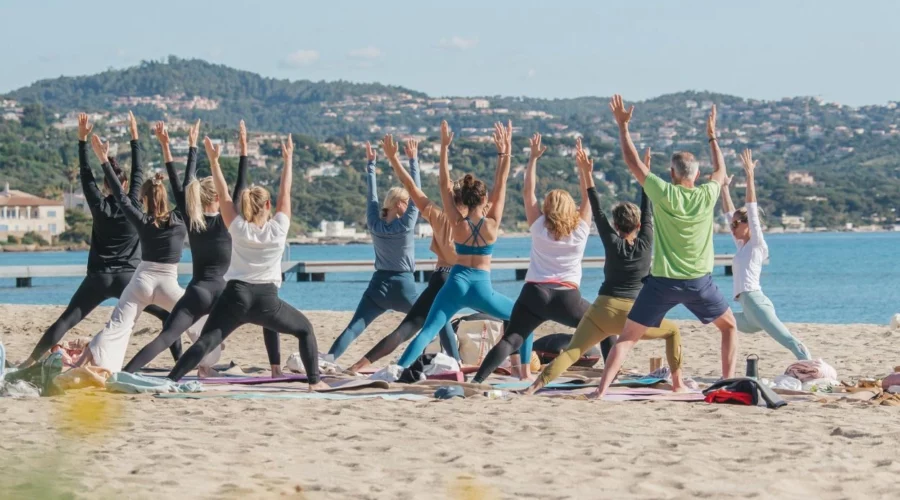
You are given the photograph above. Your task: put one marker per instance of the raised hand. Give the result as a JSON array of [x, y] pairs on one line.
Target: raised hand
[[132, 125], [390, 147], [647, 158], [162, 134], [584, 162], [287, 149], [242, 137], [412, 149], [84, 127], [100, 148], [501, 138], [446, 134], [749, 163], [370, 153], [194, 134], [711, 123], [728, 179], [212, 150], [617, 106], [537, 150]]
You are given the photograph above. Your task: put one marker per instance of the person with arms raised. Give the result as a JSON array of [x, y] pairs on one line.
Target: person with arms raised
[[469, 283], [683, 254], [162, 233], [115, 247], [254, 276], [441, 245], [752, 252]]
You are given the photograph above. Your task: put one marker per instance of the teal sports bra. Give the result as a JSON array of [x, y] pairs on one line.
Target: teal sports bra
[[465, 248]]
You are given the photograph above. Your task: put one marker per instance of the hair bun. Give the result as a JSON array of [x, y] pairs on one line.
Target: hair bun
[[157, 179]]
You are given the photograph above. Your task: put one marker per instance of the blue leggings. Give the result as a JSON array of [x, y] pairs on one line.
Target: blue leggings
[[465, 287], [759, 314], [387, 291]]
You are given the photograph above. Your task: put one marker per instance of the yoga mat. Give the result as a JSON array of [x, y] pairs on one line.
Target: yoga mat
[[578, 384], [252, 380], [299, 395]]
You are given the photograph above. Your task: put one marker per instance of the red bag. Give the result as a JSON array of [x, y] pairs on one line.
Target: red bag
[[729, 397]]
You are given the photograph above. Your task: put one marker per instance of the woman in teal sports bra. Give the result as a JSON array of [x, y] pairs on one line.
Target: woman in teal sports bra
[[469, 283]]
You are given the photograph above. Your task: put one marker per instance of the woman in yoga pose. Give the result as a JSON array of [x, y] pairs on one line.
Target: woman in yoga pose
[[392, 227], [441, 245], [114, 254], [162, 234], [752, 252], [253, 279], [627, 244], [469, 282], [197, 201], [559, 233]]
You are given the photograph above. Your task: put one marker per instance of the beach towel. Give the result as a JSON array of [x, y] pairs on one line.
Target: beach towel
[[132, 383], [807, 370], [81, 378], [297, 395], [743, 390]]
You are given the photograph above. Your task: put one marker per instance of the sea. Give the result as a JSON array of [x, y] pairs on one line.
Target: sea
[[833, 278]]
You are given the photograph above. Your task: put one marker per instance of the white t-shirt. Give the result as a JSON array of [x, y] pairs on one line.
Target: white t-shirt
[[750, 256], [555, 261], [256, 251]]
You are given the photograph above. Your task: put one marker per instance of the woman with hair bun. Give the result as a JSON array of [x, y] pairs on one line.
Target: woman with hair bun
[[469, 282], [155, 281], [559, 233]]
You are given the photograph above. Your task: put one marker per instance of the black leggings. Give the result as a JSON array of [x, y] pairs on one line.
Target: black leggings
[[197, 301], [413, 322], [537, 303], [94, 289], [242, 303]]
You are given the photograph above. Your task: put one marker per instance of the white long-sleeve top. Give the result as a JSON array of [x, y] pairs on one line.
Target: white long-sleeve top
[[750, 256]]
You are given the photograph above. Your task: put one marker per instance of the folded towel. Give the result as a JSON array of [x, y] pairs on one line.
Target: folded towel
[[132, 383], [807, 370]]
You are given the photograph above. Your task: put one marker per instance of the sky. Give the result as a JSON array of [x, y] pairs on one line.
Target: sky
[[841, 51]]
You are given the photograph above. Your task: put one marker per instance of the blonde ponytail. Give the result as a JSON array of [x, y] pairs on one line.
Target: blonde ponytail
[[199, 195], [253, 205]]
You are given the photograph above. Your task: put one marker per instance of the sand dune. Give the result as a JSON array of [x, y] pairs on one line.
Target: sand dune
[[475, 448]]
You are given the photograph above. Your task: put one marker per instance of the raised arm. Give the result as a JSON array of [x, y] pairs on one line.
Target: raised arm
[[287, 178], [503, 141], [411, 215], [132, 211], [604, 228], [629, 152], [727, 204], [532, 210], [646, 231], [718, 161], [445, 184], [190, 173], [373, 215], [226, 204], [749, 164], [162, 135], [137, 168], [391, 151], [241, 184], [88, 184], [585, 180]]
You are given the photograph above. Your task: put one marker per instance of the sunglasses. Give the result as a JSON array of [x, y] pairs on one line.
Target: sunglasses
[[735, 223]]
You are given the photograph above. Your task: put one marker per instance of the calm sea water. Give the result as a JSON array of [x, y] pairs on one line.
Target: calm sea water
[[814, 278]]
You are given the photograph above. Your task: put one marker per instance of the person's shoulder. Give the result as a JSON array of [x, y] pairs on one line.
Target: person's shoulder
[[538, 224], [281, 221]]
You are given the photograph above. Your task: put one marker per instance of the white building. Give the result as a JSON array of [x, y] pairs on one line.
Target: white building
[[21, 213], [323, 170], [336, 229], [424, 230]]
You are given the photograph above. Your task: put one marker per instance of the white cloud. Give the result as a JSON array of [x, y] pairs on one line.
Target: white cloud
[[299, 58], [366, 53], [531, 73], [459, 43]]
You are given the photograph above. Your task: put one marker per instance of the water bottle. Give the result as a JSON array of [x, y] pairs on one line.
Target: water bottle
[[753, 366]]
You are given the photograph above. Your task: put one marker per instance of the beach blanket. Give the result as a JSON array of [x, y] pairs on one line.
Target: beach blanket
[[133, 383], [298, 395]]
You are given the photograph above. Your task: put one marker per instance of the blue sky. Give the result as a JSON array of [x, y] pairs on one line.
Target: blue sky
[[842, 51]]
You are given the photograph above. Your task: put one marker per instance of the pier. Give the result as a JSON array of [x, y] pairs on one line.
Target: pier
[[312, 271]]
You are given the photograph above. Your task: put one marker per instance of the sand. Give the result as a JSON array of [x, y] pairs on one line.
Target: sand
[[474, 448]]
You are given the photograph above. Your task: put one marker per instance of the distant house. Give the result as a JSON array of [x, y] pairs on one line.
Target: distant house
[[793, 222], [21, 213], [801, 178], [336, 229], [323, 170]]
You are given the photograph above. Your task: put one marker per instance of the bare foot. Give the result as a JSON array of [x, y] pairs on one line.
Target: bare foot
[[359, 365], [276, 371], [533, 389], [206, 372], [318, 387], [595, 395], [678, 386]]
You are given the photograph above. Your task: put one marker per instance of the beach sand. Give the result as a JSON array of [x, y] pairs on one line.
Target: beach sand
[[475, 448]]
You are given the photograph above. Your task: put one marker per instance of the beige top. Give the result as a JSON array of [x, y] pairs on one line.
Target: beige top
[[442, 239]]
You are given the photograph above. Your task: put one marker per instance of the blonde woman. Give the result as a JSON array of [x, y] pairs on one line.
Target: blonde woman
[[155, 281], [254, 276], [559, 233], [197, 201], [392, 226]]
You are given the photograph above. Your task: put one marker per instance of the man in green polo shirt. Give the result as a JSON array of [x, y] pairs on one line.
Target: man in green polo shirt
[[683, 253]]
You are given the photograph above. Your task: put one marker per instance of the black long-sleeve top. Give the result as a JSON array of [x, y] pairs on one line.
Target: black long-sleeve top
[[211, 247], [161, 244], [114, 241], [626, 264]]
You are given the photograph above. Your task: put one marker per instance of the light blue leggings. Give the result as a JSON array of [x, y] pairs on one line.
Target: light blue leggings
[[759, 314], [465, 287]]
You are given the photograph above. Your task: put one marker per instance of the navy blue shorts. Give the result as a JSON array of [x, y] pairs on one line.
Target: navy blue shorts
[[659, 295]]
